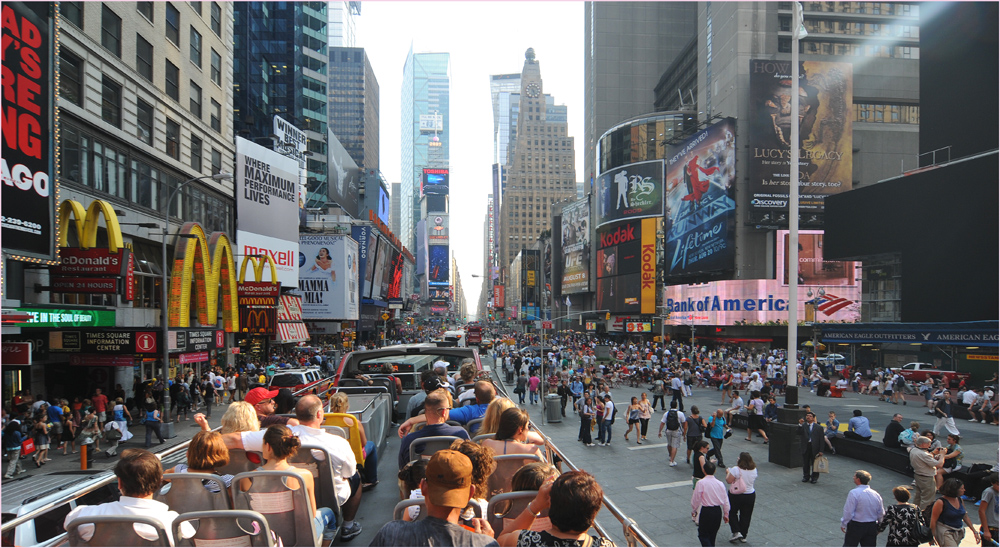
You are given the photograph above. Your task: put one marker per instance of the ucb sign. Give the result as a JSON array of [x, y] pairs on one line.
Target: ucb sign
[[624, 233]]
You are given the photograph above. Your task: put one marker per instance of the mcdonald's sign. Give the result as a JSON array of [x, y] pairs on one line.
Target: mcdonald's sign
[[209, 272], [258, 300], [88, 269]]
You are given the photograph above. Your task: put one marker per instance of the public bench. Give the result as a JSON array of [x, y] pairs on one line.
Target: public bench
[[897, 460]]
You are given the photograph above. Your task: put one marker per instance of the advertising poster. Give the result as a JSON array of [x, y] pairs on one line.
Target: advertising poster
[[267, 207], [632, 191], [328, 277], [384, 205], [626, 267], [361, 236], [28, 190], [381, 260], [755, 302], [345, 176], [434, 182], [396, 277], [813, 270], [575, 234], [826, 110], [700, 219], [437, 229], [391, 255], [438, 268]]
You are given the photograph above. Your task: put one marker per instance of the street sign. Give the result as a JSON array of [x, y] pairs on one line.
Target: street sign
[[546, 325], [385, 316]]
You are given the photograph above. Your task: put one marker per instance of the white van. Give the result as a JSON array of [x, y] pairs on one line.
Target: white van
[[457, 337]]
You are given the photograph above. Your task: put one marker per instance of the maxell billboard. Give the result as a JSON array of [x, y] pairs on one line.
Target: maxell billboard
[[267, 207], [328, 277], [631, 191], [700, 211], [575, 238], [825, 138], [28, 176]]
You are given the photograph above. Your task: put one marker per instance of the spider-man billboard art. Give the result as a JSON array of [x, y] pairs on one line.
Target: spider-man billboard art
[[700, 218], [825, 138]]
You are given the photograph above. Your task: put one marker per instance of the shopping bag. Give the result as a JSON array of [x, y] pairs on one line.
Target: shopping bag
[[27, 446], [821, 465]]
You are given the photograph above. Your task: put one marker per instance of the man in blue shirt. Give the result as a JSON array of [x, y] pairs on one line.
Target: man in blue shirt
[[858, 427], [437, 409], [862, 512], [576, 388], [462, 415]]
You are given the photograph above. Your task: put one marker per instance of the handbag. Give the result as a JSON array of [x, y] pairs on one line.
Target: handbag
[[738, 487], [821, 465], [924, 534], [27, 446], [113, 435]]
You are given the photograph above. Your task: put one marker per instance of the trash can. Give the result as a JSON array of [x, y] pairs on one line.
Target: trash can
[[553, 408]]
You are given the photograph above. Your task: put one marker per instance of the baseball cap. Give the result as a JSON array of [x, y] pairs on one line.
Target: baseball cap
[[449, 477], [431, 384], [258, 395]]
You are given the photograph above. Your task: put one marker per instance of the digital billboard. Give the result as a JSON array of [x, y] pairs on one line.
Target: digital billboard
[[29, 193], [813, 270], [700, 219], [381, 263], [328, 277], [575, 238], [631, 191], [730, 302], [364, 235], [267, 207], [437, 267], [391, 260], [626, 267], [434, 182], [437, 229], [384, 205], [396, 276], [344, 176], [825, 138]]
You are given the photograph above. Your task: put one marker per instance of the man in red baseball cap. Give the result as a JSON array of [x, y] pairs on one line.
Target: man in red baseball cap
[[262, 401]]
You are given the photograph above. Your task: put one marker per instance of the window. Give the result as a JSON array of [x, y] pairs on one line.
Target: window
[[171, 78], [111, 101], [70, 77], [196, 153], [196, 47], [173, 139], [216, 161], [196, 6], [111, 31], [146, 9], [173, 24], [144, 121], [144, 57], [216, 68], [216, 116], [72, 12], [195, 99], [217, 19]]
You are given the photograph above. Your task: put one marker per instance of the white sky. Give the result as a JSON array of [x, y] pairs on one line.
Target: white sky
[[483, 38]]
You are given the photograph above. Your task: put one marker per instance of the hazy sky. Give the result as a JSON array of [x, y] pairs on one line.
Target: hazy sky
[[483, 38]]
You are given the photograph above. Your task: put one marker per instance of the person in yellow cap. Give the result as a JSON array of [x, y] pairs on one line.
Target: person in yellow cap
[[447, 488]]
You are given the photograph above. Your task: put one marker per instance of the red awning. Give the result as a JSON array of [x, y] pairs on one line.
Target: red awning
[[290, 308], [291, 332]]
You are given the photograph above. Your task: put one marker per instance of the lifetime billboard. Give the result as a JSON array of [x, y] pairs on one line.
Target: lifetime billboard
[[575, 233], [754, 301], [631, 191], [700, 220], [825, 137]]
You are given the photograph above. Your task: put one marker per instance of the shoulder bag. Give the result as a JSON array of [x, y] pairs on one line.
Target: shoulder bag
[[738, 487]]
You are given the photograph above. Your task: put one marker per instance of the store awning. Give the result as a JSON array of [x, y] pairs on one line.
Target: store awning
[[291, 332]]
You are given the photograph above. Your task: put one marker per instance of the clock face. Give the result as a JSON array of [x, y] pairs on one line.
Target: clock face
[[532, 90]]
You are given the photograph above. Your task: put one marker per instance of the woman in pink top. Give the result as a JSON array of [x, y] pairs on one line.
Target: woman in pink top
[[533, 388]]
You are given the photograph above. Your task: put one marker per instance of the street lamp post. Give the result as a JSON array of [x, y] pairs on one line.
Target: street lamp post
[[167, 426]]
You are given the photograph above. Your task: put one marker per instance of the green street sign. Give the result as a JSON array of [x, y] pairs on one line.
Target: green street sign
[[53, 317]]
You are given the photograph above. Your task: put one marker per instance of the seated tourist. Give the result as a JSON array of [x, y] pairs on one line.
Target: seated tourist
[[573, 501], [438, 408]]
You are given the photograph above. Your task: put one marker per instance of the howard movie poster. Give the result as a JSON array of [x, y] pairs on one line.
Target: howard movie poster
[[700, 210], [825, 138]]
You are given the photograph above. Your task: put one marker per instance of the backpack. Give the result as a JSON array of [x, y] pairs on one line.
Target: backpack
[[900, 382], [614, 413], [672, 422]]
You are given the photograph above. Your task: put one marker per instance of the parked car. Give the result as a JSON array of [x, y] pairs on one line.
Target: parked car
[[296, 379], [917, 372]]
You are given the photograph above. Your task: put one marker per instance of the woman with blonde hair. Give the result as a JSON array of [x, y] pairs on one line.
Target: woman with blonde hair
[[491, 419], [369, 470], [240, 417]]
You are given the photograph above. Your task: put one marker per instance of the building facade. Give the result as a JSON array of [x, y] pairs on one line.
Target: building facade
[[353, 107], [341, 28]]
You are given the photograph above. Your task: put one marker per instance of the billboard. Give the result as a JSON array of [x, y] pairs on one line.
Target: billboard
[[626, 267], [361, 235], [434, 182], [396, 276], [431, 123], [700, 219], [384, 205], [267, 207], [437, 267], [292, 141], [747, 302], [328, 277], [813, 270], [381, 261], [632, 191], [344, 178], [498, 297], [575, 234], [28, 190], [437, 229], [825, 136]]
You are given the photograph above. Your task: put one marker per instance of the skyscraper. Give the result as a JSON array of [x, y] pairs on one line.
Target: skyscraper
[[542, 168], [424, 133], [353, 108], [279, 69], [341, 30]]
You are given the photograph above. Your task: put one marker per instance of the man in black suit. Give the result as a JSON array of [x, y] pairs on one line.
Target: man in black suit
[[811, 437]]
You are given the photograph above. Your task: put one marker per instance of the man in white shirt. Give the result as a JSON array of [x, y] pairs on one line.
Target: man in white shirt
[[604, 433], [736, 405], [139, 476], [346, 480], [676, 424]]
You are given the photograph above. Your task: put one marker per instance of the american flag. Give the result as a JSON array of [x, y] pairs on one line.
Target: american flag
[[829, 304]]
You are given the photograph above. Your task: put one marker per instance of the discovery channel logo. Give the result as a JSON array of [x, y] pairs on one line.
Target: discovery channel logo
[[768, 203]]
